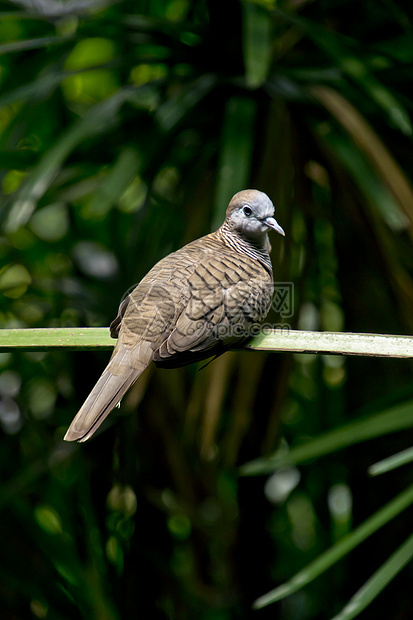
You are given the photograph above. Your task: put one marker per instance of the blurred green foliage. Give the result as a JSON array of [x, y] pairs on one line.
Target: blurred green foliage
[[125, 127]]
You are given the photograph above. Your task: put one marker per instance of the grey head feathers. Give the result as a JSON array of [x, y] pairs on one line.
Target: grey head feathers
[[251, 214]]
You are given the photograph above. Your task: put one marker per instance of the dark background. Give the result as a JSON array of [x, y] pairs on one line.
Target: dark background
[[125, 128]]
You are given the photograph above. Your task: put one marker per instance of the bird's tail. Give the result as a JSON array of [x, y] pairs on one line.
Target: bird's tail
[[118, 376]]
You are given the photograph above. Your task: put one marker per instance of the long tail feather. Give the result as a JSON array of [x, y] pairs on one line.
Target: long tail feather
[[112, 385]]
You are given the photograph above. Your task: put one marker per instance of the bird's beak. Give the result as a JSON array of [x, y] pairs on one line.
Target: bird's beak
[[272, 223]]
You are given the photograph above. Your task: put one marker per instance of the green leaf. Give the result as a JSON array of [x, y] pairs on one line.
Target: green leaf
[[392, 462], [44, 85], [389, 421], [177, 107], [96, 120], [257, 43], [29, 44], [378, 581], [48, 519], [14, 280], [365, 142], [118, 179], [340, 49], [339, 550], [235, 153]]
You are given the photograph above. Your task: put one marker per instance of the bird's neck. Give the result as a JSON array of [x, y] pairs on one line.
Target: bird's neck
[[255, 248]]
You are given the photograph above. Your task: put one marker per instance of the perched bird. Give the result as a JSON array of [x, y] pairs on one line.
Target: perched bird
[[195, 303]]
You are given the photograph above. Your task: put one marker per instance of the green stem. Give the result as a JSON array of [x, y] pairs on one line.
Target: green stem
[[286, 340]]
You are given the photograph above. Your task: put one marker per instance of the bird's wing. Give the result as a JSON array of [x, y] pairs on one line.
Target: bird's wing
[[222, 302], [117, 322]]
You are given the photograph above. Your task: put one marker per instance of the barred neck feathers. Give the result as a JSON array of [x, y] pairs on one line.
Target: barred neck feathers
[[248, 219], [245, 246]]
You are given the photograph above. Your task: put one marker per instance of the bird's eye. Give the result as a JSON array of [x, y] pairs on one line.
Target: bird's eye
[[247, 210]]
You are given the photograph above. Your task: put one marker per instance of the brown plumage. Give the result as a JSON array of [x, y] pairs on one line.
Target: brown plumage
[[193, 304]]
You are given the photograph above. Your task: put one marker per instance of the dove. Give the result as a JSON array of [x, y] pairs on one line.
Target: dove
[[196, 303]]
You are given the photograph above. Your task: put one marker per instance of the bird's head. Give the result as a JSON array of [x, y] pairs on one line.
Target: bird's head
[[250, 213]]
